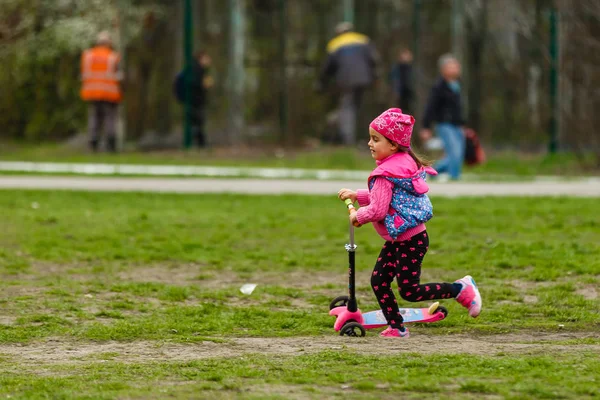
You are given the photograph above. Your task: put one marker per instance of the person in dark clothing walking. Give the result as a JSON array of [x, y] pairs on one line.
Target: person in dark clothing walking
[[351, 61], [401, 81], [444, 109], [200, 83]]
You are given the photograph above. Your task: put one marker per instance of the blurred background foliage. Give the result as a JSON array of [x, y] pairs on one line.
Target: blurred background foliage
[[505, 46]]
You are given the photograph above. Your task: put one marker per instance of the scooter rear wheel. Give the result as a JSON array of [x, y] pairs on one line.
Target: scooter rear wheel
[[444, 310], [340, 301], [353, 329]]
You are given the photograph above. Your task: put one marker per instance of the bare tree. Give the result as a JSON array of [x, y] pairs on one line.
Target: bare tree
[[580, 79], [477, 27]]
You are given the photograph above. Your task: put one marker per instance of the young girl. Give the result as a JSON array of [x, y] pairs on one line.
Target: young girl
[[398, 207]]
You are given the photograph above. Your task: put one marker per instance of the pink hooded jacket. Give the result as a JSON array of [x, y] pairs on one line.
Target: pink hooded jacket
[[376, 203]]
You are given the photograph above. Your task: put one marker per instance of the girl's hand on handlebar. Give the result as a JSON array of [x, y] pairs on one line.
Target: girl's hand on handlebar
[[354, 219], [344, 194]]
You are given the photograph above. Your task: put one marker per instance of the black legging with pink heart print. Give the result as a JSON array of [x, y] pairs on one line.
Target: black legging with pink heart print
[[402, 260]]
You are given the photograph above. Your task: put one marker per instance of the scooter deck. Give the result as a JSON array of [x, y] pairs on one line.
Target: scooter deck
[[375, 319]]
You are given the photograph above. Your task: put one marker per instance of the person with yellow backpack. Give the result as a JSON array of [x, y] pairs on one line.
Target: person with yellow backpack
[[352, 63]]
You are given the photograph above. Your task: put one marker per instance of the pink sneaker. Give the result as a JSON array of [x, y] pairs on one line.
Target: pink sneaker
[[469, 296], [395, 332]]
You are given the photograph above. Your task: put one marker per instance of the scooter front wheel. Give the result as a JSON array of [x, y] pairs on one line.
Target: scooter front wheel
[[340, 301], [353, 329]]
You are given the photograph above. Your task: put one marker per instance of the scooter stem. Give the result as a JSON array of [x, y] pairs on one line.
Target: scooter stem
[[351, 249]]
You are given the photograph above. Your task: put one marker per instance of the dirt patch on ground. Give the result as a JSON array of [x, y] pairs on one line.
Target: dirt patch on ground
[[589, 292], [7, 320], [529, 299], [40, 270], [186, 274], [55, 351], [300, 278], [14, 291], [529, 285], [183, 274]]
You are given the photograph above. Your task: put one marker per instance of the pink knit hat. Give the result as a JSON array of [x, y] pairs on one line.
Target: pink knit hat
[[395, 126]]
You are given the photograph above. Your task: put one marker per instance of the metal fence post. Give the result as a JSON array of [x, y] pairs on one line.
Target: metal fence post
[[236, 70], [283, 93], [188, 44], [416, 55], [554, 115], [349, 11]]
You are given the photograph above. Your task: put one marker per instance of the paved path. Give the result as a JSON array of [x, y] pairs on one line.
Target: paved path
[[281, 186]]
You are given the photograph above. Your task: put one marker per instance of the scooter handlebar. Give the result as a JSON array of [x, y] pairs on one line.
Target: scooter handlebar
[[349, 205], [351, 209]]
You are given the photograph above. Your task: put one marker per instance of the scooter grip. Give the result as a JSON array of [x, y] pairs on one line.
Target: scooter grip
[[350, 205], [351, 208]]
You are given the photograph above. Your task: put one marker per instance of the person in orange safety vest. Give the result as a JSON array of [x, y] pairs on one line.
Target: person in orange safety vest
[[101, 77]]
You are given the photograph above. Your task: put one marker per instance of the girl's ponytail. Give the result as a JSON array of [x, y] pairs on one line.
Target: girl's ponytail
[[421, 162]]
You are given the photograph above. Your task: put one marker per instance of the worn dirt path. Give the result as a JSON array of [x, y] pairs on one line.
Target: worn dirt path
[[62, 351]]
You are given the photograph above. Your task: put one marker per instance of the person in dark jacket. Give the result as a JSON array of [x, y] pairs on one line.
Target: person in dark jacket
[[445, 111], [201, 82], [351, 61], [401, 81]]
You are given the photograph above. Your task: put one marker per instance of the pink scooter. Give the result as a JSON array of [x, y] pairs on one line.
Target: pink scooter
[[350, 321]]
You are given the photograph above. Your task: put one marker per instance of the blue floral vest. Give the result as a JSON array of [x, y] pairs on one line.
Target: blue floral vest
[[408, 208]]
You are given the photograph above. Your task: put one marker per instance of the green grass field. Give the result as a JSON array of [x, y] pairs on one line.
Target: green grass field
[[136, 296], [499, 165]]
